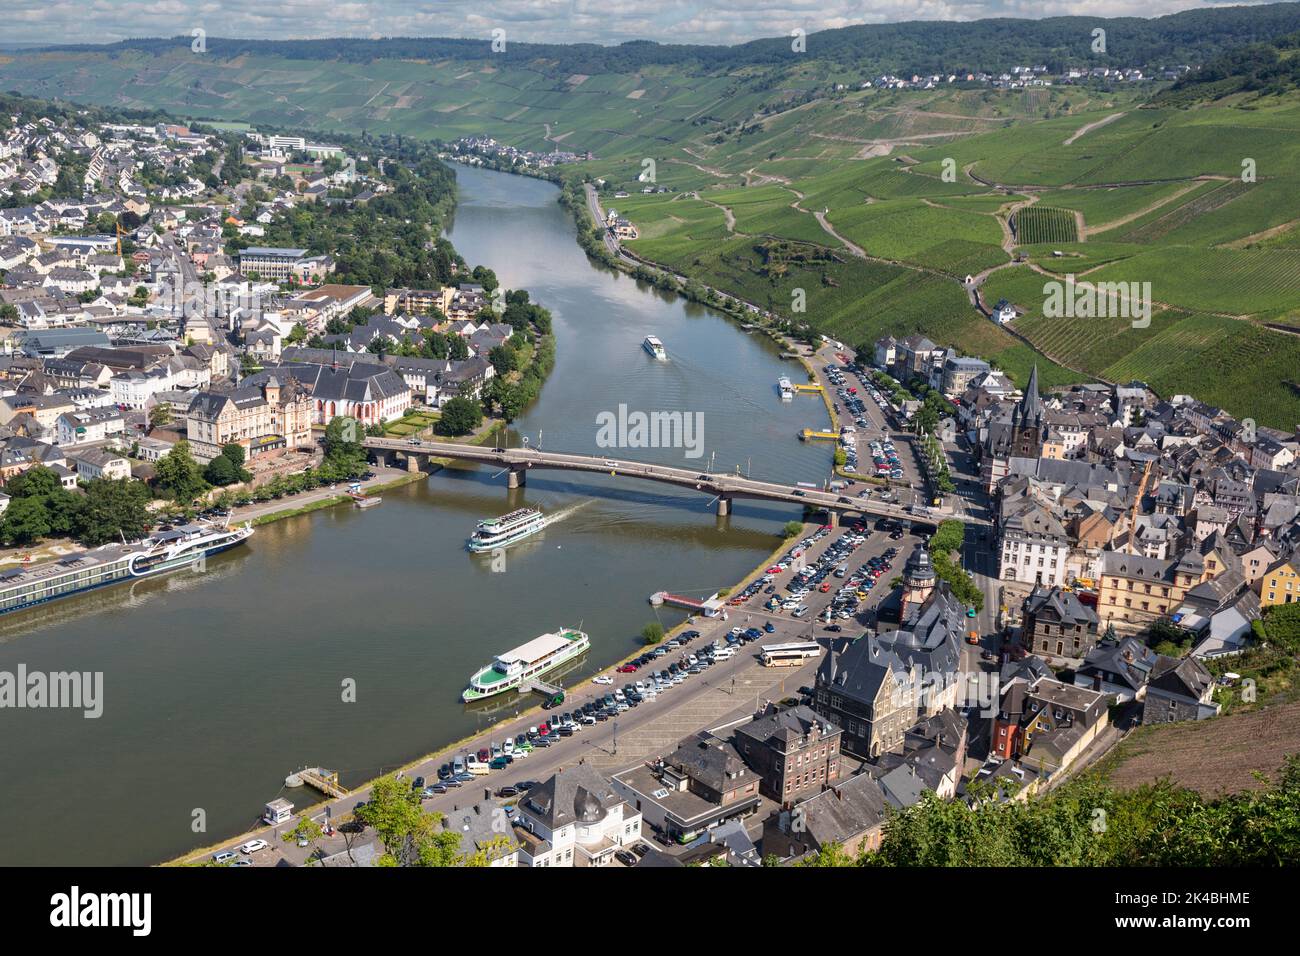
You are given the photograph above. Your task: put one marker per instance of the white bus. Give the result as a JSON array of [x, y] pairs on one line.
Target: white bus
[[788, 655]]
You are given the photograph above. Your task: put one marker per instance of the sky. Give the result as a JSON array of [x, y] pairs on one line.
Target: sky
[[541, 21]]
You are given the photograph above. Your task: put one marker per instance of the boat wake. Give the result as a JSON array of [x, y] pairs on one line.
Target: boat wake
[[566, 512]]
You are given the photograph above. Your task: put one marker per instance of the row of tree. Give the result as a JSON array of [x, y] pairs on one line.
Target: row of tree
[[945, 557]]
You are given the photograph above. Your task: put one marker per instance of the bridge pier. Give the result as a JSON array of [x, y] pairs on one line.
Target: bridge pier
[[832, 519], [412, 463], [724, 506], [517, 478]]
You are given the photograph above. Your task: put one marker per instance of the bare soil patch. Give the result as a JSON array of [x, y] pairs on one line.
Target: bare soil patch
[[1212, 757]]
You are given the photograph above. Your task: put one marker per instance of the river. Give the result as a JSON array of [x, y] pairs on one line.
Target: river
[[217, 684]]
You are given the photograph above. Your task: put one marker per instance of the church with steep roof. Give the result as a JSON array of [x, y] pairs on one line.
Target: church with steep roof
[[1020, 433]]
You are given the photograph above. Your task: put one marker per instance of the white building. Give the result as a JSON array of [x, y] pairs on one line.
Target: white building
[[94, 424], [1033, 547], [99, 463], [134, 388], [574, 819]]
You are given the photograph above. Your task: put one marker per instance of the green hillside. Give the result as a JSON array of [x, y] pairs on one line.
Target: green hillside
[[791, 182]]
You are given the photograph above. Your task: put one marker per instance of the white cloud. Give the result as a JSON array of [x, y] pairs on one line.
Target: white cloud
[[543, 21]]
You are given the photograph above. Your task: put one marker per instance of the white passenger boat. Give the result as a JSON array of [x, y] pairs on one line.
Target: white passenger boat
[[515, 668], [501, 532]]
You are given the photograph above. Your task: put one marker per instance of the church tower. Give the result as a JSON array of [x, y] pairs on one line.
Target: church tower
[[918, 581], [1027, 422]]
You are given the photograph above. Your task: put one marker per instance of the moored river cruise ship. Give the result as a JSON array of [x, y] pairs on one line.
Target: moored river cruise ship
[[29, 585]]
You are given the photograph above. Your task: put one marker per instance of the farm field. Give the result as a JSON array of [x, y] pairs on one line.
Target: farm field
[[1224, 361], [767, 211], [950, 240], [1233, 281], [1045, 224], [1106, 205], [1216, 756]]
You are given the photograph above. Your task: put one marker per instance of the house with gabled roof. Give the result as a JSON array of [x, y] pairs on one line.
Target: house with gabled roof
[[1181, 688], [1056, 623], [851, 813], [878, 687], [1046, 725], [1118, 667]]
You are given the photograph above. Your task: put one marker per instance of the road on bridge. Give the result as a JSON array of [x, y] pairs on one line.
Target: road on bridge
[[723, 487]]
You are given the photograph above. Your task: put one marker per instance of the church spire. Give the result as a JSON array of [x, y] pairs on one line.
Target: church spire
[[1031, 404]]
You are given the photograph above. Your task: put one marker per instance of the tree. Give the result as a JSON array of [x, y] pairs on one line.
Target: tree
[[26, 521], [342, 437], [179, 475], [345, 456], [503, 359], [652, 633], [411, 837], [792, 529], [221, 472], [307, 829], [57, 505], [508, 397], [1281, 626], [234, 452], [948, 537], [832, 854], [160, 415], [112, 510], [460, 416]]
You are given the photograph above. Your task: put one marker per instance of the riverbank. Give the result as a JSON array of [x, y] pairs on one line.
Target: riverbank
[[445, 752], [580, 199]]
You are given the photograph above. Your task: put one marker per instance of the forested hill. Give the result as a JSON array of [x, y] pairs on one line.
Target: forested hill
[[1261, 68], [1191, 37]]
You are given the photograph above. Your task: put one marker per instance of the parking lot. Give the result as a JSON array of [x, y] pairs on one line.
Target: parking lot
[[873, 448], [725, 682]]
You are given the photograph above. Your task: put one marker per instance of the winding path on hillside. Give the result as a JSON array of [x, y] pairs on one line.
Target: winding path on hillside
[[726, 210]]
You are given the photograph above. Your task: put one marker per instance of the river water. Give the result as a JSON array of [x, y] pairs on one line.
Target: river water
[[218, 684]]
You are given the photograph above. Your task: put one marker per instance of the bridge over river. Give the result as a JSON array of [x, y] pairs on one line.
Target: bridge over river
[[723, 488]]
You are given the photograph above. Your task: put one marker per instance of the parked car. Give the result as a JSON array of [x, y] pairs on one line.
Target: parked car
[[253, 846]]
